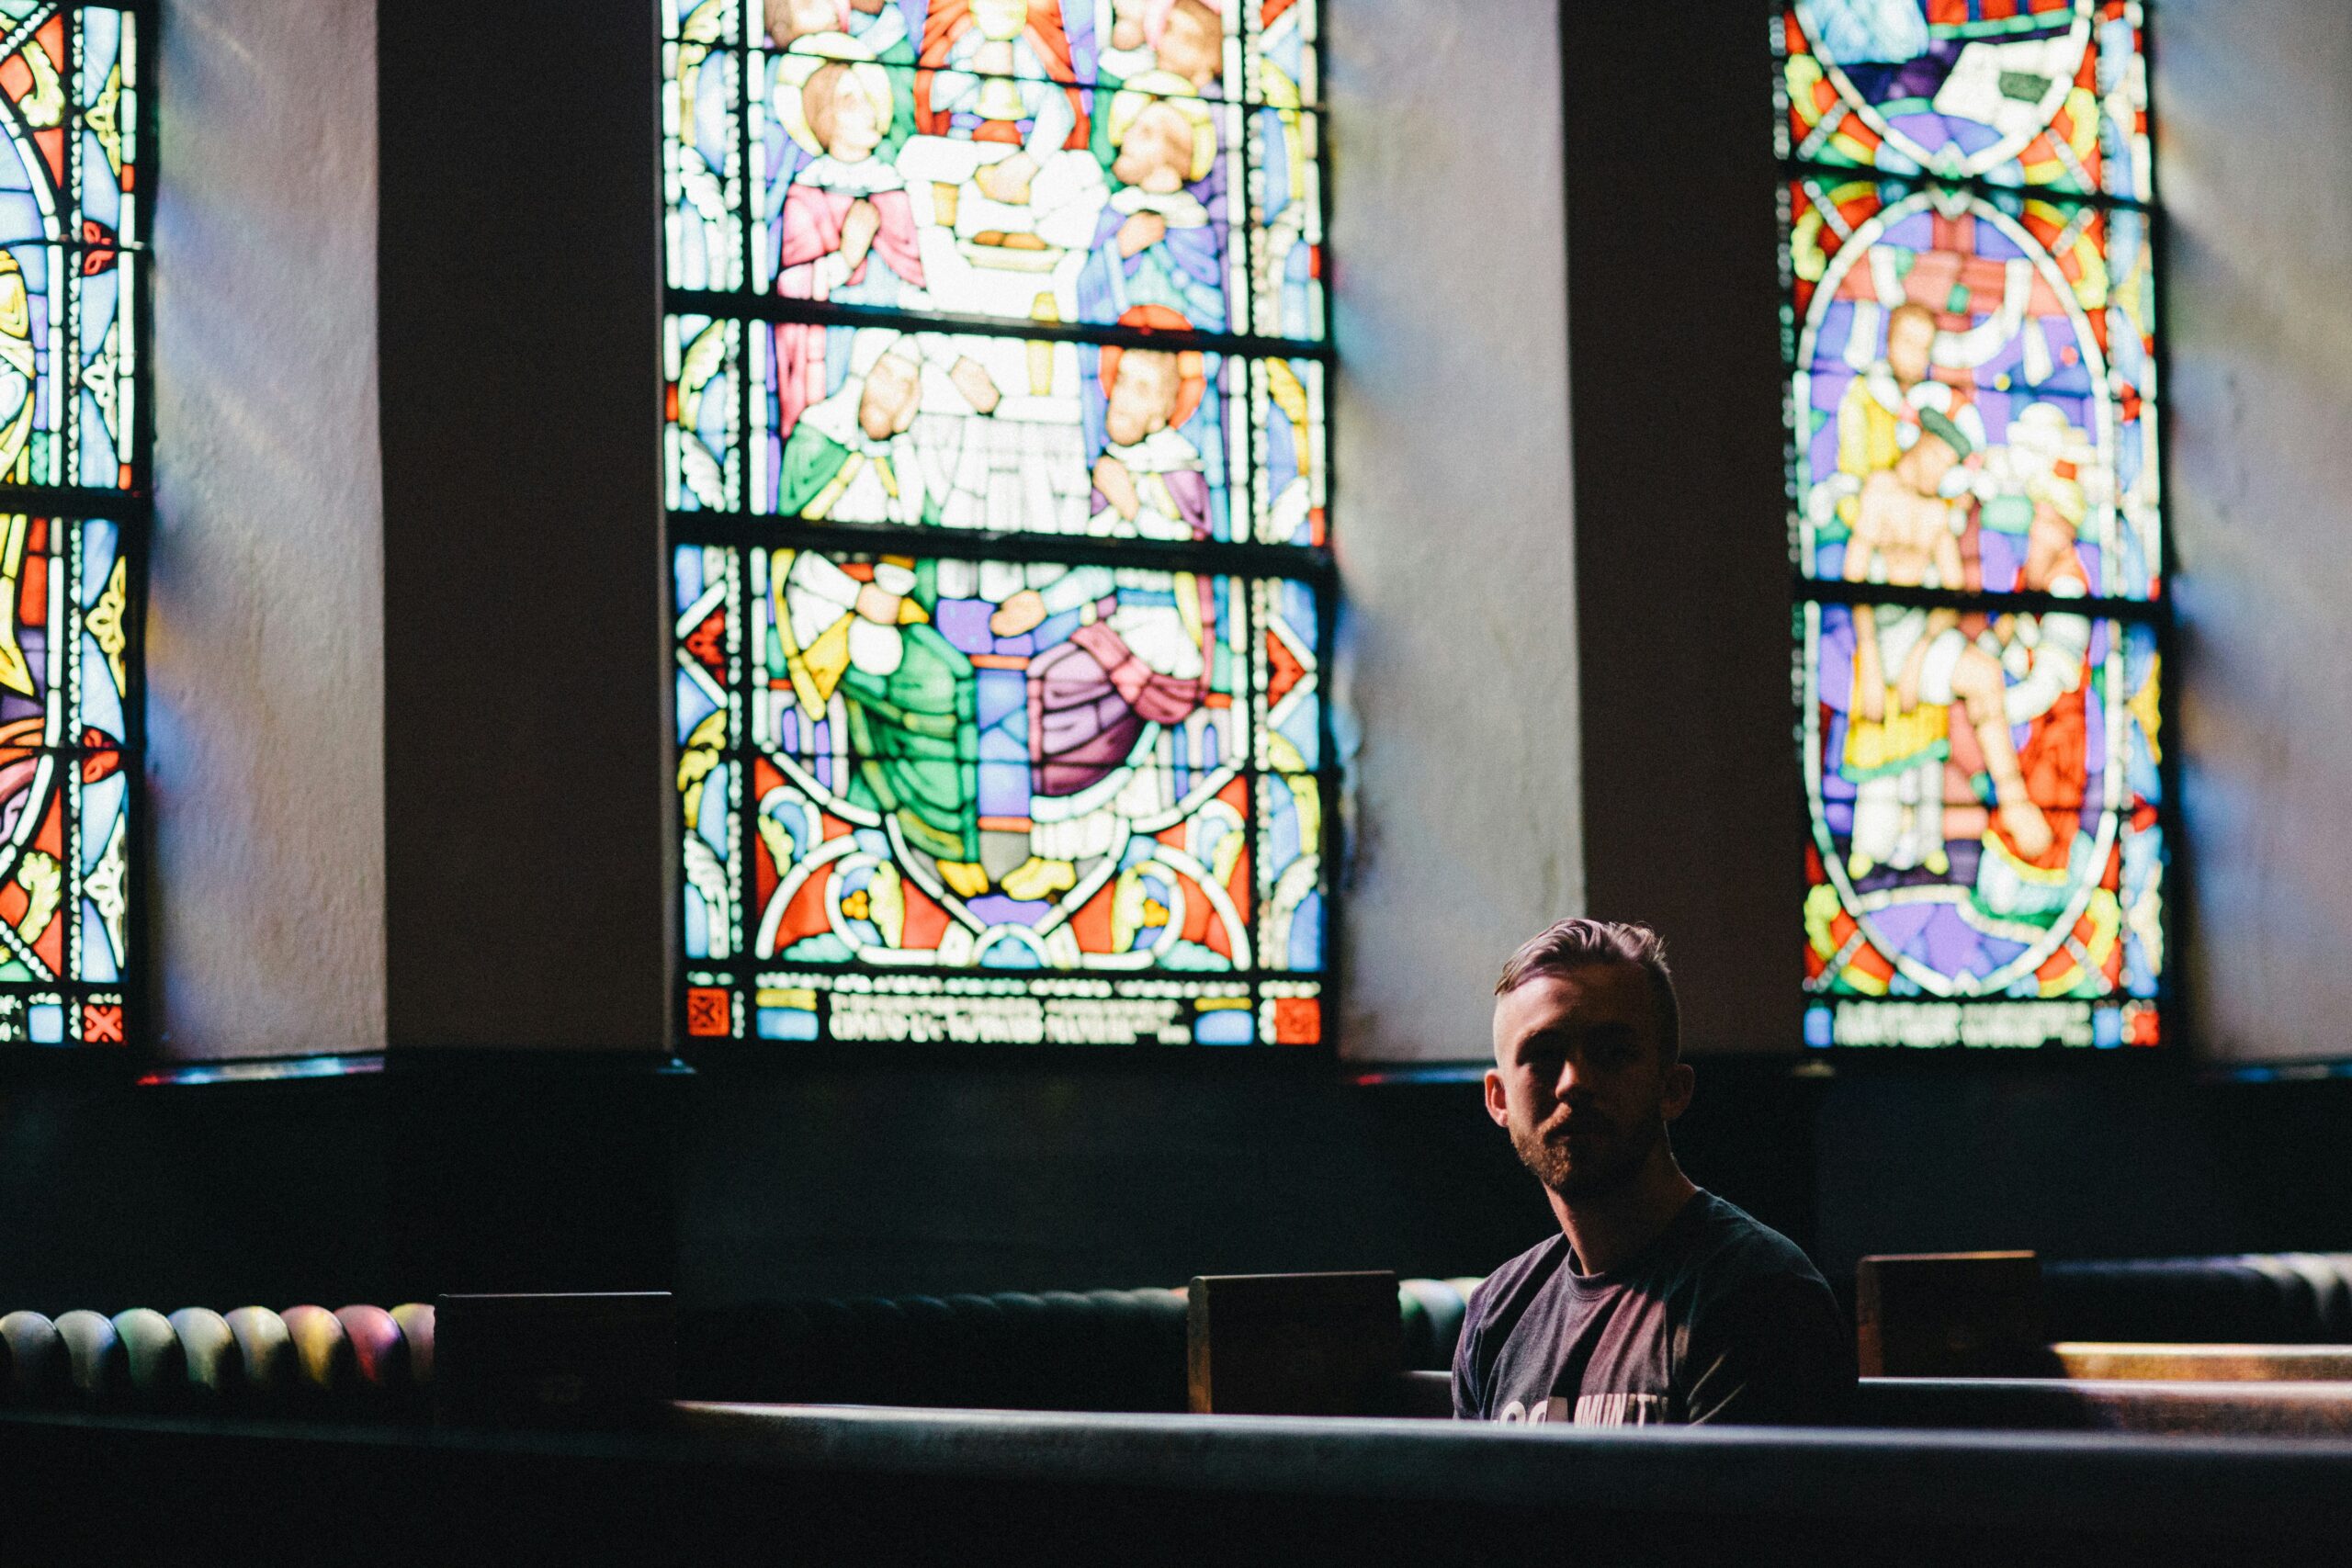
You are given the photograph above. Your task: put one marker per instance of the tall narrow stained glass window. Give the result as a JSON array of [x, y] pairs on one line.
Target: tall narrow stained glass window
[[74, 512], [996, 368], [1970, 320]]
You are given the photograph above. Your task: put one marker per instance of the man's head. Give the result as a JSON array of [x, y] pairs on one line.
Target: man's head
[[1143, 394], [892, 396], [789, 19], [1910, 340], [1166, 136], [848, 108], [1191, 42], [1155, 149], [1587, 1056]]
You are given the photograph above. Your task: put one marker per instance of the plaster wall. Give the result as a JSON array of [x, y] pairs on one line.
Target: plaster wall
[[1457, 660], [2255, 127], [265, 652]]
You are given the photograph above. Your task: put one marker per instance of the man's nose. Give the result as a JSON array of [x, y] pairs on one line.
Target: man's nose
[[1570, 1076]]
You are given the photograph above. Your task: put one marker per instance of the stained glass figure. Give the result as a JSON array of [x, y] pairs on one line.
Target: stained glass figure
[[998, 498], [73, 420], [1977, 519]]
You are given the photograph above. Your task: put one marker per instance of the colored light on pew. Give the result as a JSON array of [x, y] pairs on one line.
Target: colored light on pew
[[264, 1071], [323, 1358], [1444, 1072]]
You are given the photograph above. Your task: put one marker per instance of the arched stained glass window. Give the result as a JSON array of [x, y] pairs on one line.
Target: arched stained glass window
[[1969, 318], [996, 371], [73, 513]]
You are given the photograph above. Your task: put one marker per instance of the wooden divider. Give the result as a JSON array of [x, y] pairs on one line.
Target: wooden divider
[[1292, 1344], [1950, 1314]]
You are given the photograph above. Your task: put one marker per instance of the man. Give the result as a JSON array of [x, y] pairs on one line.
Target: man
[[1656, 1302], [1880, 414], [863, 631], [856, 457], [1157, 242]]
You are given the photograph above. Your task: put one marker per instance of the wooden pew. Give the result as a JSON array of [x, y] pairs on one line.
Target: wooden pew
[[902, 1485], [2204, 1363], [1292, 1344], [1980, 1314], [2160, 1408]]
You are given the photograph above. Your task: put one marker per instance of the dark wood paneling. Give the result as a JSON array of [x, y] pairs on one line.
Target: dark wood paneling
[[526, 889], [1692, 793]]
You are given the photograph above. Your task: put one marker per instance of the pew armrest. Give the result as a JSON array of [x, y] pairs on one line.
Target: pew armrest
[[1421, 1395]]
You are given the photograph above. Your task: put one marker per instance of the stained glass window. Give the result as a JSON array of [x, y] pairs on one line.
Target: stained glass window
[[994, 439], [1970, 323], [73, 441]]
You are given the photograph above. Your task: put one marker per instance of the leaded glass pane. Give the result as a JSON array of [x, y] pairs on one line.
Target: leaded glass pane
[[702, 169], [1283, 54], [881, 425], [1002, 768], [703, 359], [886, 186], [66, 658], [2043, 93], [72, 233], [1982, 360], [1985, 797], [1291, 472], [1286, 223]]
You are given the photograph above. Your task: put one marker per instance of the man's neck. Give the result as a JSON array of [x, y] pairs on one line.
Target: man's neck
[[1616, 1227]]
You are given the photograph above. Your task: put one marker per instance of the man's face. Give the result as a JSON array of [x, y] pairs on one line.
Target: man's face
[[1910, 338], [1579, 1081], [857, 129], [1191, 42], [887, 404], [1158, 151], [789, 19], [1144, 395]]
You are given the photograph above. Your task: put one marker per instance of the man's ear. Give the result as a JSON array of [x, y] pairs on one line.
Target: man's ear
[[1497, 1107], [1679, 1081]]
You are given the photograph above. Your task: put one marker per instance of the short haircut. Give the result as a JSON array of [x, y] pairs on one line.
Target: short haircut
[[1580, 943]]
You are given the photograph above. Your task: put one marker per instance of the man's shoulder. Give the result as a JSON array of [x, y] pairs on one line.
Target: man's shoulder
[[1731, 1249]]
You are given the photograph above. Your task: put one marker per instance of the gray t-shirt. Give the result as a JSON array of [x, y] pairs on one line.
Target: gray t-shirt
[[1719, 1319]]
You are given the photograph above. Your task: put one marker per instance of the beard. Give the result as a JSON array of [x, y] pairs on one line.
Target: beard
[[1601, 1160]]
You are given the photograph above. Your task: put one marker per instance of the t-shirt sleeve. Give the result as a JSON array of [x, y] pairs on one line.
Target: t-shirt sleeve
[[1771, 1351], [1466, 1398]]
